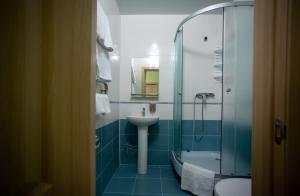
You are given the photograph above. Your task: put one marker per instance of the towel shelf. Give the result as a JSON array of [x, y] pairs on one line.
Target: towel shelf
[[101, 43]]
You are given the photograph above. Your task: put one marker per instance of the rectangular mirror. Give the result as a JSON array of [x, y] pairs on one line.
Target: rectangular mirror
[[145, 77]]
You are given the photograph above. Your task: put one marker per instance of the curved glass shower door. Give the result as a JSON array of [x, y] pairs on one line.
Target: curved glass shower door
[[237, 91], [201, 116], [177, 107], [214, 58]]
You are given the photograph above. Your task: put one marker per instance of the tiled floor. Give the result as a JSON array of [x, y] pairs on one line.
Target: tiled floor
[[159, 181]]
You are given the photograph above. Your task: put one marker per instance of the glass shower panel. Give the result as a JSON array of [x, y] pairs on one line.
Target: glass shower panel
[[237, 91], [177, 107]]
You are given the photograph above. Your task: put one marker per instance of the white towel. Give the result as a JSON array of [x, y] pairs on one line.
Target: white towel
[[197, 180], [103, 27], [103, 69], [102, 104]]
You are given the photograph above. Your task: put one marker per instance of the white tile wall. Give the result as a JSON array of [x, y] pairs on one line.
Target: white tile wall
[[198, 56], [211, 112], [198, 60], [139, 32], [164, 111], [111, 9]]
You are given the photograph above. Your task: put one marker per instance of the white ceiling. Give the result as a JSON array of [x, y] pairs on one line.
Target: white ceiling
[[137, 7]]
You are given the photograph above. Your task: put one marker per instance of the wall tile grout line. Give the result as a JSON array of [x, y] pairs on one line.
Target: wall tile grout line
[[104, 168], [160, 179], [200, 135], [109, 133], [149, 134], [169, 136], [134, 184], [119, 133], [106, 145]]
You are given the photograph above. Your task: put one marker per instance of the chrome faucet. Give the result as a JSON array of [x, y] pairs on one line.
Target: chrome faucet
[[204, 96], [152, 108], [144, 112]]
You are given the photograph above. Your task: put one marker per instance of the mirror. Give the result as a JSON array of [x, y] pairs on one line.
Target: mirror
[[145, 77]]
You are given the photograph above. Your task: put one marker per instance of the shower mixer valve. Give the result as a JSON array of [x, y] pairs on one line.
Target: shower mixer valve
[[204, 96]]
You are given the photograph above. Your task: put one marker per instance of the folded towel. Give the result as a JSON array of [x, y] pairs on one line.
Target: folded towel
[[103, 26], [102, 104], [197, 180], [103, 68]]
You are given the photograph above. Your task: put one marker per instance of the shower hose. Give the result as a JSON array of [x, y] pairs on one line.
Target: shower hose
[[202, 117]]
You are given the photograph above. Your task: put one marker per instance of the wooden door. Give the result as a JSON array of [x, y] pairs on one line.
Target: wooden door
[[292, 157], [47, 95], [276, 89]]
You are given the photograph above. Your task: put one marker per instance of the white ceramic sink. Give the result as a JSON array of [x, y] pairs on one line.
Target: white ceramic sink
[[142, 122]]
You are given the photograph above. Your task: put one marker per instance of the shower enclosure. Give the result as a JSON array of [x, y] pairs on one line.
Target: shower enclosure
[[213, 57]]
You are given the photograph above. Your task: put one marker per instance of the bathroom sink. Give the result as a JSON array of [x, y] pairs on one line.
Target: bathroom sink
[[143, 121]]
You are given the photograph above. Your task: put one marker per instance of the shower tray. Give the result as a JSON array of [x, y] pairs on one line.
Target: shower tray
[[205, 159]]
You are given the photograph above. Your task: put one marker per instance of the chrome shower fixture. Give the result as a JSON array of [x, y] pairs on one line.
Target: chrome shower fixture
[[204, 95]]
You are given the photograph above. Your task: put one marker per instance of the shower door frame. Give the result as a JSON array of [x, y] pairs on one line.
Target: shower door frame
[[211, 8]]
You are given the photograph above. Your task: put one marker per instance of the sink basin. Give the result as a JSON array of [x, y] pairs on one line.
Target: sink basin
[[143, 121]]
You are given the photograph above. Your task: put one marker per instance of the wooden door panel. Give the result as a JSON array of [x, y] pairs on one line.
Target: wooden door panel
[[293, 97], [262, 97], [279, 86], [276, 95]]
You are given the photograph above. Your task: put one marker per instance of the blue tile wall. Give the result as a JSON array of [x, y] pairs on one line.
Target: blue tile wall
[[198, 139], [160, 143], [107, 155], [160, 140]]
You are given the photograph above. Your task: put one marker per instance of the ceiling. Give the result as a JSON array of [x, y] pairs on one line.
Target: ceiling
[[140, 7]]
